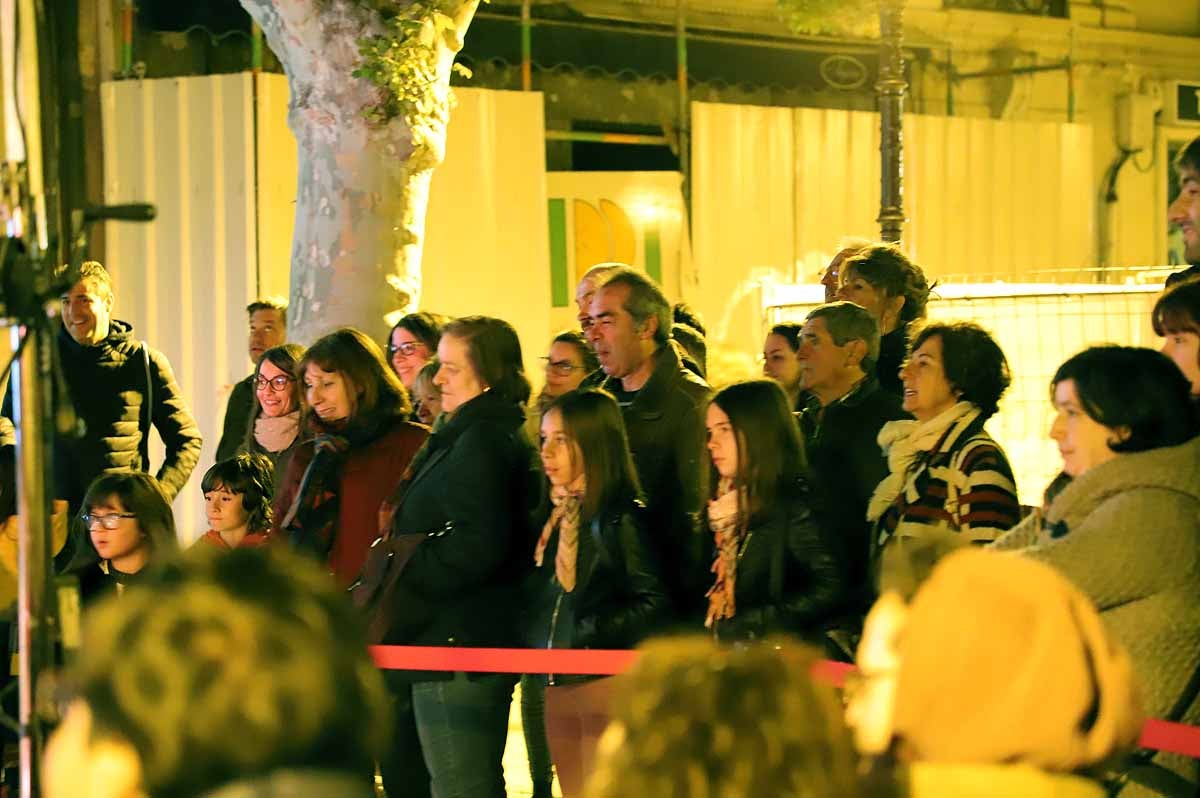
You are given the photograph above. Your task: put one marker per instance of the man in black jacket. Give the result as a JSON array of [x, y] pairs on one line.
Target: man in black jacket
[[118, 386], [843, 410], [663, 404], [268, 328]]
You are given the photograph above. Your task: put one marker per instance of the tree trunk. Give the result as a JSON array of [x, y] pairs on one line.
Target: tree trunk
[[363, 187]]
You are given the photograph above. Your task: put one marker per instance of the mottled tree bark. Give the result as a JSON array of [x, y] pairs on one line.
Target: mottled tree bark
[[363, 188]]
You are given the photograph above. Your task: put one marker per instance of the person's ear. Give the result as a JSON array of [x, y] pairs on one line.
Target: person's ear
[[892, 309], [1119, 435], [649, 328], [856, 352]]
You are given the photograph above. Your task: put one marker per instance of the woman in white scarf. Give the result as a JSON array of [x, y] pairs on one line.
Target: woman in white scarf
[[949, 483], [275, 420]]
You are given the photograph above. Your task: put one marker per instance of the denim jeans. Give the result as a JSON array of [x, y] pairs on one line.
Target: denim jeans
[[403, 766], [463, 725]]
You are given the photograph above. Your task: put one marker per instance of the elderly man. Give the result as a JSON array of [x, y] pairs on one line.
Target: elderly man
[[119, 387], [663, 404], [843, 410], [268, 329]]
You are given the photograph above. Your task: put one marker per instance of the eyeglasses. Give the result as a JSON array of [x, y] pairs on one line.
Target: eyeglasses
[[406, 349], [276, 384], [108, 521], [562, 368]]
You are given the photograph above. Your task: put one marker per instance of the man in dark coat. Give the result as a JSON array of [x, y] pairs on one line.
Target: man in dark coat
[[663, 404], [119, 387], [268, 328], [843, 410]]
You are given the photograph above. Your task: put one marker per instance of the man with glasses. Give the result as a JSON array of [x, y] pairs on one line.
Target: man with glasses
[[268, 328]]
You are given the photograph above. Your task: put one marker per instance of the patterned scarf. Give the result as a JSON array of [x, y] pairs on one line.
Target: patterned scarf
[[565, 518], [724, 518], [311, 521]]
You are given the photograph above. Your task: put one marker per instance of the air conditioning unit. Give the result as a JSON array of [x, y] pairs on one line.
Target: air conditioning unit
[[1181, 106]]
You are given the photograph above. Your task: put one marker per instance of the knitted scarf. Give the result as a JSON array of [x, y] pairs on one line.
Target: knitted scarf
[[278, 433], [567, 500], [904, 442], [724, 518]]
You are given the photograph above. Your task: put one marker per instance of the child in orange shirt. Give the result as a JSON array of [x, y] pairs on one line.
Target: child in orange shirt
[[237, 501]]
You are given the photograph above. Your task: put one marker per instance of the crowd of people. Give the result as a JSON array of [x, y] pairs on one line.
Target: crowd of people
[[630, 500]]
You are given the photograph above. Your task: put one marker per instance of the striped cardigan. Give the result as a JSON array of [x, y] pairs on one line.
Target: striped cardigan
[[960, 491]]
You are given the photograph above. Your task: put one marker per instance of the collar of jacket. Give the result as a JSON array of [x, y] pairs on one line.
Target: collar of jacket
[[852, 398], [649, 401], [119, 332], [1175, 468], [488, 406]]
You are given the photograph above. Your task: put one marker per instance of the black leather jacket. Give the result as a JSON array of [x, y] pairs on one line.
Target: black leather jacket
[[789, 578], [618, 598]]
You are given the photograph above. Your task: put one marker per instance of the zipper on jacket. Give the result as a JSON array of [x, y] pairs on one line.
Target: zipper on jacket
[[553, 628]]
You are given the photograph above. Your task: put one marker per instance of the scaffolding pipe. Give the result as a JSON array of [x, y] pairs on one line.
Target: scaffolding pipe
[[685, 132], [1010, 71], [1070, 90], [526, 45], [607, 138], [127, 10], [798, 43], [256, 48]]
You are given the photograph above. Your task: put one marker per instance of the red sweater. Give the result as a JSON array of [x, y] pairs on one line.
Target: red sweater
[[369, 474]]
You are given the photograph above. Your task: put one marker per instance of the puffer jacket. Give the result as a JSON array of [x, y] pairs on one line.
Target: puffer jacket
[[618, 599], [107, 386]]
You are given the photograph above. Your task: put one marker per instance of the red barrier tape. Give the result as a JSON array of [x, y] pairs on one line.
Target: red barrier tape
[[1158, 735]]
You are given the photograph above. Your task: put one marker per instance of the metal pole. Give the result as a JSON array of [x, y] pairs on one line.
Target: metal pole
[[127, 12], [607, 138], [33, 634], [256, 48], [685, 124], [526, 45], [890, 89]]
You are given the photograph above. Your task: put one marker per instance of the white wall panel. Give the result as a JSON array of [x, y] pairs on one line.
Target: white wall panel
[[743, 215], [186, 145], [984, 198]]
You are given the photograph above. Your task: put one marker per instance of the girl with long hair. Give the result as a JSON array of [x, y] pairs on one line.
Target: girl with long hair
[[774, 569], [597, 585]]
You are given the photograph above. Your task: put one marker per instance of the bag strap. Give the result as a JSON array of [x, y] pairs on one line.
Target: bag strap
[[147, 416], [1139, 767]]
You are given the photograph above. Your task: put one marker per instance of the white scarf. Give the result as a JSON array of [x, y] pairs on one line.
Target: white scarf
[[903, 441], [276, 434]]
